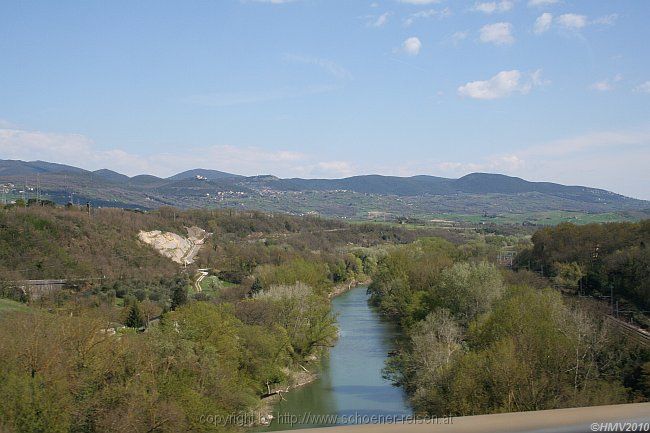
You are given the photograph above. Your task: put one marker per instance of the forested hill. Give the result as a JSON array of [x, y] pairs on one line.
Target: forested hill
[[475, 183], [352, 197], [133, 338], [52, 242], [258, 322], [600, 259]]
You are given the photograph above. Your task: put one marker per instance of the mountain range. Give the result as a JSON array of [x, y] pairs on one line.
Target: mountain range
[[354, 197]]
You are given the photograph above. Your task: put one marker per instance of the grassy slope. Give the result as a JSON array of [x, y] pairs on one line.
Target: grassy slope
[[7, 305], [543, 218]]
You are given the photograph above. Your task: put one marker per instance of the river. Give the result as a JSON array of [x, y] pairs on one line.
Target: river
[[350, 382]]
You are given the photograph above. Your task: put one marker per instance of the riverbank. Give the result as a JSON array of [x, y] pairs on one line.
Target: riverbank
[[350, 377], [297, 379], [340, 289], [302, 375]]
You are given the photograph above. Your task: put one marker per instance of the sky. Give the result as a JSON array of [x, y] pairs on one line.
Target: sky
[[547, 90]]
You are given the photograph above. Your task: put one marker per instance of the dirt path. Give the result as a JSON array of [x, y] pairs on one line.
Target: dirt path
[[202, 273]]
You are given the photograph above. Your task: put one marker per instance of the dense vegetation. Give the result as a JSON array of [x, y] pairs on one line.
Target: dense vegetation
[[480, 340], [595, 258], [129, 345], [101, 253], [63, 373]]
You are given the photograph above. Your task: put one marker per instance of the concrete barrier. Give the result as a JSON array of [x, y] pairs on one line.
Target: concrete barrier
[[574, 420]]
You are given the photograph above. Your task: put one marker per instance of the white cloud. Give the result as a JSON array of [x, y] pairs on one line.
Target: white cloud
[[606, 84], [602, 86], [81, 151], [536, 79], [543, 23], [540, 3], [490, 164], [379, 21], [589, 142], [457, 37], [74, 149], [497, 33], [330, 66], [503, 84], [426, 14], [572, 21], [613, 160], [607, 159], [412, 46], [607, 20], [274, 2], [419, 2], [643, 88], [494, 6], [340, 168], [7, 124]]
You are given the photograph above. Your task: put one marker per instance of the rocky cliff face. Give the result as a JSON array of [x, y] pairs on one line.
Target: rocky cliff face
[[176, 247]]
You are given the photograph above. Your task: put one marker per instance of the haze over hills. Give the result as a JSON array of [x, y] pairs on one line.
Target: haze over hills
[[353, 197], [207, 174]]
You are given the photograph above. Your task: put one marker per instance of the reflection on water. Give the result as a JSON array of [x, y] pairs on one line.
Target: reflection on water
[[350, 382]]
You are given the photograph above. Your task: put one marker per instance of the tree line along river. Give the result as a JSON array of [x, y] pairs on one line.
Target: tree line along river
[[350, 388]]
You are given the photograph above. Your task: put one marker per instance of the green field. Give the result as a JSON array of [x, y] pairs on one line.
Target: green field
[[541, 218], [530, 219], [211, 285], [7, 305], [474, 209]]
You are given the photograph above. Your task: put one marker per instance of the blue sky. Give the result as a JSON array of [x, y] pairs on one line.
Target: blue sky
[[542, 89]]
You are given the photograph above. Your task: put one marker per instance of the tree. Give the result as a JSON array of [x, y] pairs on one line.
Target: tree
[[134, 319], [353, 265], [532, 352], [179, 293], [435, 340], [468, 289], [304, 314], [256, 287], [313, 273], [407, 276], [150, 310], [201, 347], [568, 274], [596, 255]]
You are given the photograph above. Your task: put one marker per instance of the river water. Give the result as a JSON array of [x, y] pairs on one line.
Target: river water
[[350, 382]]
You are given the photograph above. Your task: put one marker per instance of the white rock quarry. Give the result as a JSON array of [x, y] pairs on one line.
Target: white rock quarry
[[176, 247]]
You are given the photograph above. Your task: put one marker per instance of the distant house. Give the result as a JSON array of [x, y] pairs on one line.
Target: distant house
[[506, 258], [35, 289]]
